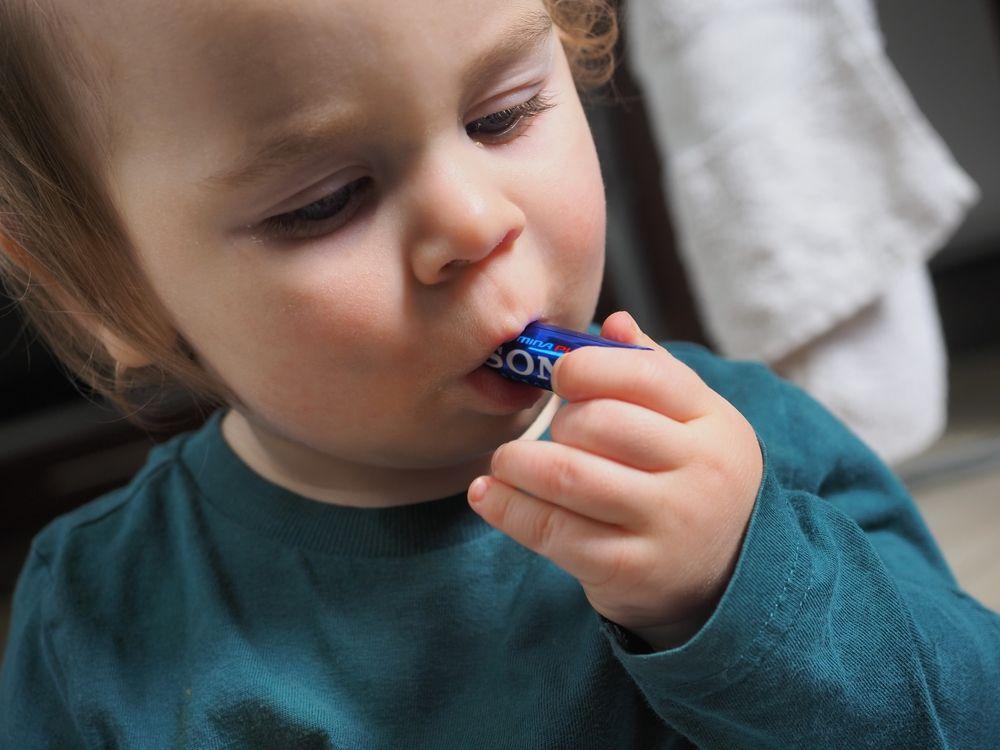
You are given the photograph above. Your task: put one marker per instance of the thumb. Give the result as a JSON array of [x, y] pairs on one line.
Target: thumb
[[620, 326]]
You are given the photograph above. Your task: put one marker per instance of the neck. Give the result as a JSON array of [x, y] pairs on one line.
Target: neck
[[287, 464]]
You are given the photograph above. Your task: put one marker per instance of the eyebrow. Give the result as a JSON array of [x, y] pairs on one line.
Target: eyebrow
[[528, 34]]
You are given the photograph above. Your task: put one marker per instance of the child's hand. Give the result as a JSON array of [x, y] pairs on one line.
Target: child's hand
[[645, 491]]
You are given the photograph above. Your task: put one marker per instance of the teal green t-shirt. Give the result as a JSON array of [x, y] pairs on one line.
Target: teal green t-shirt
[[202, 606]]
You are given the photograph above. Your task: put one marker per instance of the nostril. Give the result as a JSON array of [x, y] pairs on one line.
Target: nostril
[[509, 238], [505, 243]]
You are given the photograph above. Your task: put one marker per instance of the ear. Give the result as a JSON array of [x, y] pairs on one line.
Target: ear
[[124, 355], [119, 351]]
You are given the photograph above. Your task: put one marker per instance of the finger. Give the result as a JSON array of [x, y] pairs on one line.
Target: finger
[[625, 433], [654, 379], [581, 482], [588, 550], [621, 326]]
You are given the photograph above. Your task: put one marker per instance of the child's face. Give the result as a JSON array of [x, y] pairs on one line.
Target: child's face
[[350, 340]]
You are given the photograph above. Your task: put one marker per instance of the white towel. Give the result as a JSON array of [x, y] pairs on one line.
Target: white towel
[[884, 370], [808, 192]]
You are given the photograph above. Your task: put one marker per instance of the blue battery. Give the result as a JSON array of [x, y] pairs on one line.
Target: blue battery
[[531, 356]]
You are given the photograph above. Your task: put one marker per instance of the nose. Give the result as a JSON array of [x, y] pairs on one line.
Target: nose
[[459, 211]]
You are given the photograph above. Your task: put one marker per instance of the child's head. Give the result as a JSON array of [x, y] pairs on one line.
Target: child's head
[[146, 148]]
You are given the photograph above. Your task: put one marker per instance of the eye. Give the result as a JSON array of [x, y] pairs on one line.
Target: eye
[[511, 119], [334, 210], [340, 205]]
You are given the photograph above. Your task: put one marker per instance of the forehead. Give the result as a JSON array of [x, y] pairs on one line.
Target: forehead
[[249, 63]]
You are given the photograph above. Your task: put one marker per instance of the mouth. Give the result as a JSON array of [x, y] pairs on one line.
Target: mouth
[[503, 336]]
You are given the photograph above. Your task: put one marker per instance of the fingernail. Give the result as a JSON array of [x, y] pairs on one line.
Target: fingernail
[[477, 489]]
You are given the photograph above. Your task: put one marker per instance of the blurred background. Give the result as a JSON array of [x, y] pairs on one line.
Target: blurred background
[[59, 449]]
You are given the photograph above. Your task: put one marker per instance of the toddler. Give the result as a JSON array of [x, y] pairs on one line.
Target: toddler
[[321, 217]]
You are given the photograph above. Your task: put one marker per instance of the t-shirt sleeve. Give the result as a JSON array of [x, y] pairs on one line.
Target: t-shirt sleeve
[[842, 625], [34, 710]]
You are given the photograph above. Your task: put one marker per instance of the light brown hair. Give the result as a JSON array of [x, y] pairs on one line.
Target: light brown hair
[[65, 256]]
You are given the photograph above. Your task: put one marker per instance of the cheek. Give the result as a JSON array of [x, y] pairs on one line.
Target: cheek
[[292, 330], [311, 359], [585, 207], [574, 212], [318, 315], [570, 176]]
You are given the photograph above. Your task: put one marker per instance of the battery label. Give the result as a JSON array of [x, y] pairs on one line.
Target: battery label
[[531, 356]]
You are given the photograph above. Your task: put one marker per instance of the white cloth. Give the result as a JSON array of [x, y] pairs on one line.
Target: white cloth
[[883, 371], [806, 187]]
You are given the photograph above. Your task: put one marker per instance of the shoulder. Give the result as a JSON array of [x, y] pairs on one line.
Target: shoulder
[[86, 573], [109, 508], [108, 572], [96, 541]]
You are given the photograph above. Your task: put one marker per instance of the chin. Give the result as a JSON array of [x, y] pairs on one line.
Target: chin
[[480, 435]]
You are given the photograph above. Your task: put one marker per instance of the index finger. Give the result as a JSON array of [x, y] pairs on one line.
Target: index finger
[[654, 379]]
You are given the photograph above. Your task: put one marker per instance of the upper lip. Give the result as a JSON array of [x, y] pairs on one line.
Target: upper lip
[[502, 336]]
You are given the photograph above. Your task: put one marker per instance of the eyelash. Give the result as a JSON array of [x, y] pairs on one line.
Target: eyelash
[[514, 119]]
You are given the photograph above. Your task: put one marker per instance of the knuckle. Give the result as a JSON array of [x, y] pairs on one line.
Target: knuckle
[[598, 411], [715, 453], [546, 529], [562, 424], [498, 460], [715, 463], [623, 564], [616, 565], [752, 463], [581, 418], [565, 369], [563, 478], [649, 372], [573, 369], [741, 435], [725, 455], [501, 505]]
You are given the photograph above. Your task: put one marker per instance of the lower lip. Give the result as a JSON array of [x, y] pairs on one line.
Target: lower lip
[[501, 392]]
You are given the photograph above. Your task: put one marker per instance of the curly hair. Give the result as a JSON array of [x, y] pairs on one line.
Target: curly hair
[[65, 256]]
